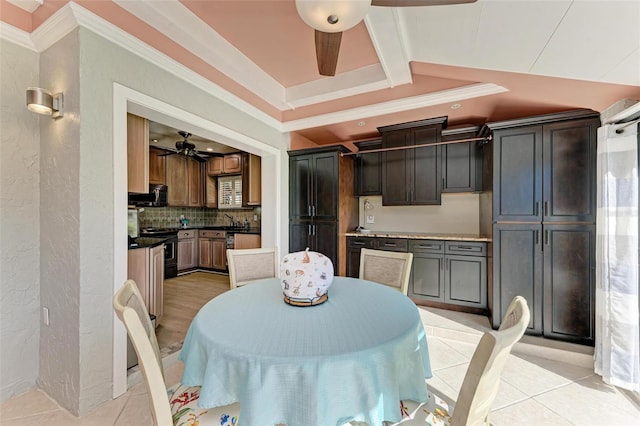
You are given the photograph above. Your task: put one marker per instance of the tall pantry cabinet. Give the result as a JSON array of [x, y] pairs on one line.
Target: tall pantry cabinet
[[543, 221], [322, 207]]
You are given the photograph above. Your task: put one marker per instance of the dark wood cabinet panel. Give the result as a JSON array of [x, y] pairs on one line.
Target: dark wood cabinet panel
[[412, 176], [569, 282], [157, 166], [518, 270], [517, 174], [427, 276], [466, 280], [461, 162], [354, 246], [368, 169], [322, 207], [569, 158]]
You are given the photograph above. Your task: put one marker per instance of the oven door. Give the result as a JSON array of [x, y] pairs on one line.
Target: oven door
[[171, 257]]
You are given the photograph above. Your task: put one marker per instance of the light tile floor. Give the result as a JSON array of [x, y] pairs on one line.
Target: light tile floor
[[544, 383]]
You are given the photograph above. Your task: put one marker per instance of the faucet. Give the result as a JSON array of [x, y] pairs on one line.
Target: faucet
[[232, 221]]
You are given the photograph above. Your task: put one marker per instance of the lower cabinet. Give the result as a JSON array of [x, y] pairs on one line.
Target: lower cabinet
[[317, 236], [354, 246], [187, 249], [449, 272], [552, 266], [146, 268], [212, 249]]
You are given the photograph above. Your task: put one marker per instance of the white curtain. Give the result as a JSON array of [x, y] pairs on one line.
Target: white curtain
[[617, 339]]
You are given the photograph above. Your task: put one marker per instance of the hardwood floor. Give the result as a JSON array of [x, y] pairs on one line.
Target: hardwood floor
[[183, 298]]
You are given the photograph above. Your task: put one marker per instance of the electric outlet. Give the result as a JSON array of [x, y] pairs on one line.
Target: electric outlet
[[45, 315], [371, 218], [255, 217]]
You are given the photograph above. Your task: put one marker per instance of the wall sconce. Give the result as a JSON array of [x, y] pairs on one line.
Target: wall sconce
[[41, 101]]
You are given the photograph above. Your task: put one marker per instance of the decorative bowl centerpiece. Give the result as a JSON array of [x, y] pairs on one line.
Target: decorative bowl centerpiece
[[306, 277]]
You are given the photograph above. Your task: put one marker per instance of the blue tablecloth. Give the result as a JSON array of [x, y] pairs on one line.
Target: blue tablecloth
[[352, 358]]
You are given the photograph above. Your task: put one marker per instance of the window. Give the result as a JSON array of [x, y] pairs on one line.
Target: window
[[230, 192]]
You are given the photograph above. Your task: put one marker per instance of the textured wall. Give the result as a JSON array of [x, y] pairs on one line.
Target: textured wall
[[458, 214], [19, 223], [60, 218]]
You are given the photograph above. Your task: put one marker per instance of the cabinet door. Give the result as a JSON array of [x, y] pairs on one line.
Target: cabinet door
[[569, 282], [425, 168], [177, 181], [354, 247], [219, 254], [300, 180], [186, 253], [156, 272], [459, 167], [157, 166], [569, 151], [427, 277], [324, 237], [518, 270], [517, 174], [232, 163], [194, 171], [205, 252], [325, 186], [215, 166], [211, 191], [299, 236], [395, 173], [466, 280], [368, 170], [251, 180], [137, 154]]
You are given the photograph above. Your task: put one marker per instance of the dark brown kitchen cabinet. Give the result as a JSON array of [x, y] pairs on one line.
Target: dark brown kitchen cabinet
[[412, 175], [368, 169], [545, 172], [462, 161], [354, 247], [449, 272], [543, 191], [322, 207]]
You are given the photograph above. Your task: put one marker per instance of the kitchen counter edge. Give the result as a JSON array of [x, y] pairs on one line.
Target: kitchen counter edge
[[419, 236]]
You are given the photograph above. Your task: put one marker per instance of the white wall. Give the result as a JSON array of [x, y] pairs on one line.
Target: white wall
[[19, 222], [458, 214]]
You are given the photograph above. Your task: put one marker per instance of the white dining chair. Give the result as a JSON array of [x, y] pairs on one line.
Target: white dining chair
[[177, 405], [481, 382], [246, 265], [386, 267]]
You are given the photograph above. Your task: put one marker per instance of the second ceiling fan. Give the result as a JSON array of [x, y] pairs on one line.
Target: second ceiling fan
[[329, 18]]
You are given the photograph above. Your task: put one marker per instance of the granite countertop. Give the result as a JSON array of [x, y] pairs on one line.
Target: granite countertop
[[229, 229], [420, 236], [146, 242]]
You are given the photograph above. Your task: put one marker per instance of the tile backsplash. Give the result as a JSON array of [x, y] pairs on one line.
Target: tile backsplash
[[169, 217]]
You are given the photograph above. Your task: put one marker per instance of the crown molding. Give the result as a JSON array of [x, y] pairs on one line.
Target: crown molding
[[400, 105], [384, 28], [28, 5], [17, 36]]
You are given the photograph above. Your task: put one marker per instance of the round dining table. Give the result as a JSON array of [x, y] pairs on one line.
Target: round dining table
[[352, 358]]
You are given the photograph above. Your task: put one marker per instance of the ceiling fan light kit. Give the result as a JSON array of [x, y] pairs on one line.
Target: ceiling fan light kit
[[332, 16]]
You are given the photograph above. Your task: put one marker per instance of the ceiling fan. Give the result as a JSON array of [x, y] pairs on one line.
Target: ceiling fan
[[329, 18], [184, 147]]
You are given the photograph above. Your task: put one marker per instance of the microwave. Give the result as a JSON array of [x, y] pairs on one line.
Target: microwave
[[156, 197]]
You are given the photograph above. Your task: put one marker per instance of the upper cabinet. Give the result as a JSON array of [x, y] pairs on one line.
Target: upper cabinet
[[157, 166], [251, 180], [184, 182], [462, 161], [137, 154], [368, 169], [412, 175], [228, 164], [544, 171]]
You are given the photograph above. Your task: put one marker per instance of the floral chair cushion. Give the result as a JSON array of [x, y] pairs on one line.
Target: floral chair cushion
[[435, 412], [185, 410]]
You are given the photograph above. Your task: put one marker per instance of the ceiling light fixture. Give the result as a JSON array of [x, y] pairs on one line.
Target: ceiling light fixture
[[455, 106], [41, 101], [361, 123], [332, 16]]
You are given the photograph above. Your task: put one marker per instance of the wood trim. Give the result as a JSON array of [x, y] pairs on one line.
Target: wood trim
[[413, 124]]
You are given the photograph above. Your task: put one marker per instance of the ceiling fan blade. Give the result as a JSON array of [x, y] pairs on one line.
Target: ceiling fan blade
[[327, 49], [412, 3], [198, 158], [168, 153]]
